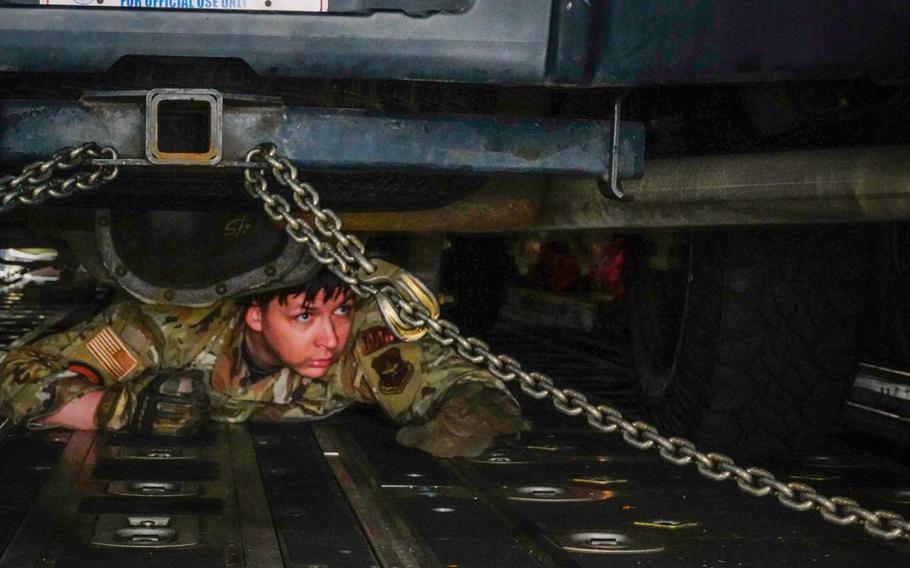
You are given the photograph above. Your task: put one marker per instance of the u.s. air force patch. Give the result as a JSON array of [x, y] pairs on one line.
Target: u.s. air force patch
[[393, 370]]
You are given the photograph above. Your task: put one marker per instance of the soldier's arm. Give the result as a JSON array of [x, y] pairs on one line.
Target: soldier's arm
[[43, 384], [446, 405], [77, 414]]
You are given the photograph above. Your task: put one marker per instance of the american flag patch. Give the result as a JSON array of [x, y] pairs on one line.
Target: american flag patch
[[111, 354]]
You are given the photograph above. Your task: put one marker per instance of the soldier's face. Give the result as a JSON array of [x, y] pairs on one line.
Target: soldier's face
[[306, 338]]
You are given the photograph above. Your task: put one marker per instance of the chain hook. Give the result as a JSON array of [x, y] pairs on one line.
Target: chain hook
[[388, 276]]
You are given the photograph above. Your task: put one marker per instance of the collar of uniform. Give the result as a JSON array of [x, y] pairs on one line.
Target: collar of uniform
[[231, 375], [254, 373]]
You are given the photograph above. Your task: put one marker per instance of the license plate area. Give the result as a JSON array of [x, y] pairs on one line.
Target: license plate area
[[417, 8]]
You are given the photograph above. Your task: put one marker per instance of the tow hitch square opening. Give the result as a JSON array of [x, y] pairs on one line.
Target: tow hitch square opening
[[183, 126]]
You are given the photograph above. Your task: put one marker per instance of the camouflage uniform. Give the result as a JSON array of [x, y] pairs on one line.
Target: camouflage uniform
[[408, 380]]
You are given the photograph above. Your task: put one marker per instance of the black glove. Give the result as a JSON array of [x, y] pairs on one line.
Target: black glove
[[166, 403]]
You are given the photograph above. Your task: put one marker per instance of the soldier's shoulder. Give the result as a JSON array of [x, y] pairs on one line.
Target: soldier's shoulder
[[168, 316], [367, 315]]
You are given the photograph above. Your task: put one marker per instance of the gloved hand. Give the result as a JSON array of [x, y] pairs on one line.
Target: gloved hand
[[166, 403], [466, 422]]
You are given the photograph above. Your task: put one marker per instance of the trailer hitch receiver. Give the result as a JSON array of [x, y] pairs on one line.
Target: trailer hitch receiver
[[183, 126]]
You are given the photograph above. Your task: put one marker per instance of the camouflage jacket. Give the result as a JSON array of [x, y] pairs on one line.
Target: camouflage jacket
[[127, 339]]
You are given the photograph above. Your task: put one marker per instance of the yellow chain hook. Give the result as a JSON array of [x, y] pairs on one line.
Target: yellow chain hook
[[410, 287]]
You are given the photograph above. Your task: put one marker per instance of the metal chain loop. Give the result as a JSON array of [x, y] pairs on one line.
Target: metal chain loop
[[344, 255], [37, 182]]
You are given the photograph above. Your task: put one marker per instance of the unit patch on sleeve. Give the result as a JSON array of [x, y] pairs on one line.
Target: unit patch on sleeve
[[394, 372], [111, 353], [376, 338]]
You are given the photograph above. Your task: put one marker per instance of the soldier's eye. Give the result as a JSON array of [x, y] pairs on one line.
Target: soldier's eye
[[343, 310], [304, 316]]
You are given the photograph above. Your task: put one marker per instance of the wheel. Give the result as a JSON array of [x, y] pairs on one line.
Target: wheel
[[475, 271], [887, 332], [748, 344]]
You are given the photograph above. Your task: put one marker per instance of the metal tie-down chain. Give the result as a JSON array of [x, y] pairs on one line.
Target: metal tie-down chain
[[36, 183], [344, 255], [411, 315]]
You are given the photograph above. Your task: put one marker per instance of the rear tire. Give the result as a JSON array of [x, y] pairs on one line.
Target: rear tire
[[476, 271], [753, 350]]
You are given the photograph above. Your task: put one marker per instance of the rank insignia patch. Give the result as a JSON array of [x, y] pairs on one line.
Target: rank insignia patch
[[376, 338], [111, 354], [394, 372]]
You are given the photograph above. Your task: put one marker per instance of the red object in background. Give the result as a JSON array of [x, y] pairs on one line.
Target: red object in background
[[566, 273], [608, 273], [556, 268]]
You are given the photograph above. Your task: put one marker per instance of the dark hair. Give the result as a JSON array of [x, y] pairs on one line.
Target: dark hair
[[323, 281]]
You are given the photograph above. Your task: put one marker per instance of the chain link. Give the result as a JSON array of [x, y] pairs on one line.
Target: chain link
[[37, 182], [346, 258]]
